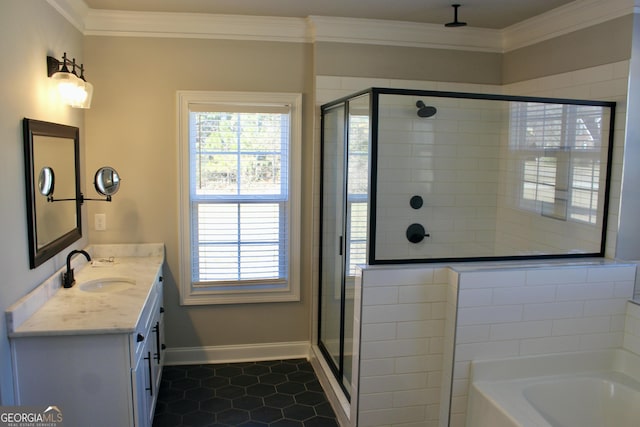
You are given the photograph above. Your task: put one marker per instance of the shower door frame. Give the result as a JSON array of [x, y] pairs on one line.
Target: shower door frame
[[338, 371]]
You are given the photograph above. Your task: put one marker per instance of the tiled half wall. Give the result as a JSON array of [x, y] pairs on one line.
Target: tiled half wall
[[421, 326]]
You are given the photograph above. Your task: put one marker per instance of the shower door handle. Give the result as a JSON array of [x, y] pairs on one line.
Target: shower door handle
[[340, 246]]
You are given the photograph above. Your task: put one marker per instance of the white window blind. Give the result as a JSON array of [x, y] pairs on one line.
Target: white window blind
[[240, 200], [357, 190], [239, 195]]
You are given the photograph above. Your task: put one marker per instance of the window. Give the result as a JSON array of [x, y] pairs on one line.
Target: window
[[559, 147], [240, 196], [357, 189]]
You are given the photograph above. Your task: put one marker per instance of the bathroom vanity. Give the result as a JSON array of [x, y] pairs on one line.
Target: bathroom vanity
[[94, 350]]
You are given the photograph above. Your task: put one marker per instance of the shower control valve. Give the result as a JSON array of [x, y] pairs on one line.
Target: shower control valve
[[416, 233]]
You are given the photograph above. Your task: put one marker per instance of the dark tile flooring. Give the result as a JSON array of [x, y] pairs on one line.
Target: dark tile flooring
[[283, 393]]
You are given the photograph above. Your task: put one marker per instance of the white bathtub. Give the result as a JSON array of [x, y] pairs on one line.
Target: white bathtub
[[590, 389]]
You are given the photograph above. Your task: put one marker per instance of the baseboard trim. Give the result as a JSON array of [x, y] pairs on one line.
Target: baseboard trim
[[238, 353]]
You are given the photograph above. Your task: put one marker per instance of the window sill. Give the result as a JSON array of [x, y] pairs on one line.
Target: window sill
[[193, 297]]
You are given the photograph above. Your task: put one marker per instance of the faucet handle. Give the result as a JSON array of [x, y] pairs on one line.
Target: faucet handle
[[68, 279]]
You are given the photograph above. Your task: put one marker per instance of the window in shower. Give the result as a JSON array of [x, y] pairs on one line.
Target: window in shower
[[560, 148], [240, 203], [357, 192]]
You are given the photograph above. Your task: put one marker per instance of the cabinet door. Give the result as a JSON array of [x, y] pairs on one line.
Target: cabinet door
[[88, 376], [151, 389], [158, 338], [155, 370], [140, 394]]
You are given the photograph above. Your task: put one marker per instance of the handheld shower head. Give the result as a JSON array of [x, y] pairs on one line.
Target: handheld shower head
[[425, 110]]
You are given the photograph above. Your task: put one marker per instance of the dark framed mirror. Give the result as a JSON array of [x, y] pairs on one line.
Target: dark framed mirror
[[52, 163]]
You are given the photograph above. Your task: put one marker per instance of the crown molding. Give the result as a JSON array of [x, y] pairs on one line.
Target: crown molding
[[195, 25], [571, 17], [74, 11], [565, 19]]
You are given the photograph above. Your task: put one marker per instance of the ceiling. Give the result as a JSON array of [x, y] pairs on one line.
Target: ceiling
[[494, 14]]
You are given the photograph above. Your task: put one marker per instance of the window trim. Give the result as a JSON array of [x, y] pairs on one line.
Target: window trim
[[191, 293]]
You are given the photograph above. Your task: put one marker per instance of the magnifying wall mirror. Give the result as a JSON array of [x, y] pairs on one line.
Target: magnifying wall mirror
[[46, 181], [52, 161], [107, 181]]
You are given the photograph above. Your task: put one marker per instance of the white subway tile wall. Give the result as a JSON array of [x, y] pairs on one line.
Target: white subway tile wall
[[537, 311], [632, 328], [451, 160], [402, 345]]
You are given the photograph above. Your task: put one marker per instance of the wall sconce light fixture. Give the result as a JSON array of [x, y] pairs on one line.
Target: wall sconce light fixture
[[76, 91]]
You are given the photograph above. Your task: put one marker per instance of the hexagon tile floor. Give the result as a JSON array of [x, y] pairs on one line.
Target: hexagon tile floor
[[282, 393]]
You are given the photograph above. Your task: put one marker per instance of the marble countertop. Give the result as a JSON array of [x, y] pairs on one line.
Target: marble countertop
[[73, 311]]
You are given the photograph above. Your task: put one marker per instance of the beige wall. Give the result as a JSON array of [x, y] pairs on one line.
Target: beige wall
[[132, 127], [29, 30], [407, 63], [600, 44]]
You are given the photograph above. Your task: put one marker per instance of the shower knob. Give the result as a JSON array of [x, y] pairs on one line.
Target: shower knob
[[416, 202], [416, 233]]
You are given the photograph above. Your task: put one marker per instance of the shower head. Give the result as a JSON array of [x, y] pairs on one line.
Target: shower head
[[455, 22], [425, 110]]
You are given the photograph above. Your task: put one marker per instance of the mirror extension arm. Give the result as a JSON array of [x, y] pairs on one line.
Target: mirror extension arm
[[107, 183], [80, 199]]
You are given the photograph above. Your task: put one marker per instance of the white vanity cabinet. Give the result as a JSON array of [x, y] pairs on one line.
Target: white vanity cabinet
[[106, 378]]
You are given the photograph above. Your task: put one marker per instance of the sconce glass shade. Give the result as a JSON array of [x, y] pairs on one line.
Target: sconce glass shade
[[88, 95], [71, 88], [78, 95], [67, 84], [75, 91]]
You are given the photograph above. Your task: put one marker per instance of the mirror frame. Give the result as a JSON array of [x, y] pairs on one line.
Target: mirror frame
[[31, 128]]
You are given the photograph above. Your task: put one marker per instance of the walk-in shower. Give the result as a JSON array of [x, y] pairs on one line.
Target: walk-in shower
[[468, 177]]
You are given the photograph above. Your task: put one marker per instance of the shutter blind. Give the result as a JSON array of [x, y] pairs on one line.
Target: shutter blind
[[239, 195], [357, 189]]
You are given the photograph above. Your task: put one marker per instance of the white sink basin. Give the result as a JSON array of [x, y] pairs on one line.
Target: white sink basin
[[107, 285]]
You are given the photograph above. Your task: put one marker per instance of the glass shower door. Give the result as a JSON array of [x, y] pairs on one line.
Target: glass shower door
[[356, 224], [344, 228], [331, 266]]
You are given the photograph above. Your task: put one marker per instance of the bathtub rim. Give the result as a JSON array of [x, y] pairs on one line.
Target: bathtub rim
[[617, 360]]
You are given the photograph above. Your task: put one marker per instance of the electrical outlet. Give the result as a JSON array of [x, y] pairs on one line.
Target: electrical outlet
[[100, 222]]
